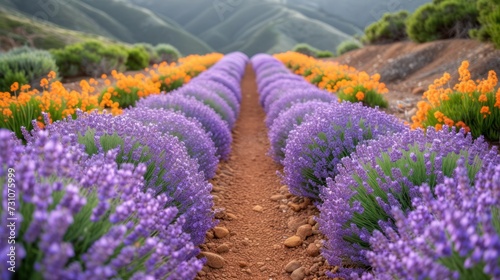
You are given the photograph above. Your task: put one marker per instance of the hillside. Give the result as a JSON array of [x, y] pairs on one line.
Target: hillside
[[204, 26], [17, 29]]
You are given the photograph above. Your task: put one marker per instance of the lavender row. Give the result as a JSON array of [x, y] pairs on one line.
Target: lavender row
[[127, 197], [394, 203]]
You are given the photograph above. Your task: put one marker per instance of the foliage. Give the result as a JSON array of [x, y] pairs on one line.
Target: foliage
[[324, 54], [306, 49], [153, 55], [390, 28], [347, 46], [137, 58], [472, 105], [489, 17], [90, 58], [167, 53], [25, 66], [443, 19]]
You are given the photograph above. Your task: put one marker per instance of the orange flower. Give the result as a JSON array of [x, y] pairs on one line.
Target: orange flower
[[483, 98], [14, 86], [485, 110], [7, 112], [44, 82], [360, 96]]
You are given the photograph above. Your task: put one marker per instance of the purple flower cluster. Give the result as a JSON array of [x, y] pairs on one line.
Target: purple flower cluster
[[385, 174], [286, 122], [63, 195], [188, 130], [452, 234], [103, 197], [212, 123], [314, 149], [170, 169], [389, 200], [209, 98]]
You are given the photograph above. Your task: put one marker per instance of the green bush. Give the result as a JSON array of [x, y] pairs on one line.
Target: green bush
[[347, 46], [306, 49], [25, 66], [153, 55], [91, 58], [167, 53], [390, 28], [489, 18], [324, 54], [137, 59], [442, 19]]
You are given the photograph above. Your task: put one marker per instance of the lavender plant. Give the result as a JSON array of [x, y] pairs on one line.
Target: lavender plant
[[288, 121], [192, 108], [81, 217], [451, 234], [314, 149], [223, 92], [295, 96], [282, 89], [225, 79], [384, 174], [188, 130], [210, 99], [169, 169]]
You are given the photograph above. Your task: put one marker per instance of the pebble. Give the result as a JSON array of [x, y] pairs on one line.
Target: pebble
[[303, 231], [298, 274], [314, 268], [223, 248], [311, 221], [258, 208], [209, 235], [231, 216], [284, 189], [312, 250], [292, 265], [220, 214], [220, 232], [243, 264], [277, 197], [295, 207], [295, 222], [293, 241], [213, 260], [418, 90]]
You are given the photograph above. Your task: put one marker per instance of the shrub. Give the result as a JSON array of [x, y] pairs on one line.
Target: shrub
[[80, 217], [281, 88], [316, 147], [306, 49], [222, 91], [169, 169], [489, 18], [292, 97], [286, 122], [25, 66], [212, 123], [324, 54], [347, 46], [167, 53], [210, 99], [472, 105], [188, 130], [137, 58], [390, 28], [384, 174], [150, 49], [453, 234], [442, 20], [90, 58], [223, 78]]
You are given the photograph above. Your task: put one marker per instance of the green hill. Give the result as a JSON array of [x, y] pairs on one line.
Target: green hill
[[201, 26]]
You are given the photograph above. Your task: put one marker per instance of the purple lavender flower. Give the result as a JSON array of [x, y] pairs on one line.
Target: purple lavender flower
[[279, 89], [287, 122], [192, 108], [452, 234], [188, 130], [384, 174], [59, 188], [222, 91], [296, 96], [314, 149], [170, 170], [210, 99], [225, 79]]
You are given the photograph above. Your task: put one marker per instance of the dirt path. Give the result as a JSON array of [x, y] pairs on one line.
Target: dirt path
[[258, 214]]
